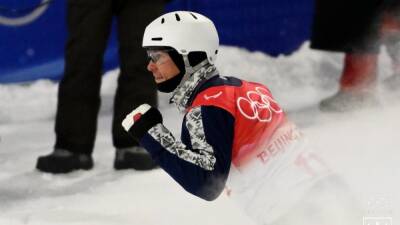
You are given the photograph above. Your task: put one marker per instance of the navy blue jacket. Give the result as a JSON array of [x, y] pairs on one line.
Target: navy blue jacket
[[201, 160]]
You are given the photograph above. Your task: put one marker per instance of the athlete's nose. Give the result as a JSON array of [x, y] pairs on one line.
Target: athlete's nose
[[151, 66]]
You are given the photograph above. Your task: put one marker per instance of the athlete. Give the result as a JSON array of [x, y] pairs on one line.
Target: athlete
[[234, 137]]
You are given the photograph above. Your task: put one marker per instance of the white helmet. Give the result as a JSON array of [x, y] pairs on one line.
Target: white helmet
[[185, 32]]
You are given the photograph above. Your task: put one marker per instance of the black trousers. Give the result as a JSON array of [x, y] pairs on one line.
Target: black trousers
[[89, 25], [346, 25]]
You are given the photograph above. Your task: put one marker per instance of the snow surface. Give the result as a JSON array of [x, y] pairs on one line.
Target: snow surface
[[361, 146]]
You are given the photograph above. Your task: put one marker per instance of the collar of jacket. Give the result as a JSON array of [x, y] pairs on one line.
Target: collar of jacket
[[181, 95]]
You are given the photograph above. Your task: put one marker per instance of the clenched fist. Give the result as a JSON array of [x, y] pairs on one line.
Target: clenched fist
[[140, 120]]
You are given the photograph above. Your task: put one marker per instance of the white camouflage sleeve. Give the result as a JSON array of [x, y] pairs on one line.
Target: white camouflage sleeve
[[201, 154]]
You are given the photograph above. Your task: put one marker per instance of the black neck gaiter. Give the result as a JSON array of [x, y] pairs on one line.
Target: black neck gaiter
[[194, 58], [169, 85]]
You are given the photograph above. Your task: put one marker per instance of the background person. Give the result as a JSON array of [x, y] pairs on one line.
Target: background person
[[89, 24], [357, 29]]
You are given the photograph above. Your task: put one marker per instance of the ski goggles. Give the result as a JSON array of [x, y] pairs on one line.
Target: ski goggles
[[157, 56]]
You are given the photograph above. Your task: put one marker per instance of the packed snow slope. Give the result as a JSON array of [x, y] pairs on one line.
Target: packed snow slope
[[361, 146]]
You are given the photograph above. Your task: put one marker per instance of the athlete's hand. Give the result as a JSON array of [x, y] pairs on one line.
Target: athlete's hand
[[140, 120]]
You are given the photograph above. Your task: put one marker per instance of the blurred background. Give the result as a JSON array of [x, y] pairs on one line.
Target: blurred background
[[33, 32], [266, 41]]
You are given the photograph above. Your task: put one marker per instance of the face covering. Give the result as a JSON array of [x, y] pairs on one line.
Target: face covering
[[170, 85]]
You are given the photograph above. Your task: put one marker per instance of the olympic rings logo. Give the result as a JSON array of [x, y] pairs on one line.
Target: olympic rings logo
[[258, 105], [19, 21]]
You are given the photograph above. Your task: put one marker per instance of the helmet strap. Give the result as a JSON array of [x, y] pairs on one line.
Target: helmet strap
[[189, 70]]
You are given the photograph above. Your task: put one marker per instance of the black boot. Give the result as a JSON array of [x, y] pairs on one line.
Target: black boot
[[63, 161], [348, 101], [133, 158], [392, 83], [391, 39]]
